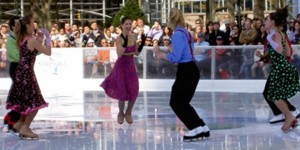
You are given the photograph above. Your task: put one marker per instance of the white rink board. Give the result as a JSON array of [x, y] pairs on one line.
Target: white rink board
[[63, 73]]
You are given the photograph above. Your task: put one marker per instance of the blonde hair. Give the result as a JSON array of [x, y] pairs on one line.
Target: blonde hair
[[176, 18]]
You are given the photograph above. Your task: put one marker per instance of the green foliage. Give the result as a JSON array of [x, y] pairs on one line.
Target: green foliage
[[130, 9]]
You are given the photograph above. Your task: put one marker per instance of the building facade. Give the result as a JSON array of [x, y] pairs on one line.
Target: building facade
[[102, 10]]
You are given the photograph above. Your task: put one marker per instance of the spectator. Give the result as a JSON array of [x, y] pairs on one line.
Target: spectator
[[263, 66], [166, 41], [87, 34], [62, 36], [217, 32], [197, 23], [67, 28], [148, 41], [139, 35], [248, 35], [234, 38], [113, 31], [118, 31], [201, 54], [262, 36], [155, 42], [97, 34], [74, 27], [248, 61], [208, 36], [90, 43], [295, 36], [156, 31], [224, 21], [102, 60], [166, 32], [298, 18], [197, 31], [223, 59], [140, 24], [134, 25], [291, 29], [4, 31], [110, 39]]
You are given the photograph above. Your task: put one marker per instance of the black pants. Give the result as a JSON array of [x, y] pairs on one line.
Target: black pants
[[14, 116], [183, 90], [272, 105], [12, 71]]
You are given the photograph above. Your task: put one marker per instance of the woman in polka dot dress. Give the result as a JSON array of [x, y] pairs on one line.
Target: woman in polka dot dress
[[283, 82]]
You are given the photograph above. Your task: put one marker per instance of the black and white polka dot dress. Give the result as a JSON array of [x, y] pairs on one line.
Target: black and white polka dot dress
[[283, 79]]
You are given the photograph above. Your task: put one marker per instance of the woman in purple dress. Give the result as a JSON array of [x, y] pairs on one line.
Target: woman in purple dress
[[25, 95], [122, 83]]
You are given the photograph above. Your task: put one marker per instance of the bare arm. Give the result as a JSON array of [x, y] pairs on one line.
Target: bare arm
[[288, 48], [119, 45]]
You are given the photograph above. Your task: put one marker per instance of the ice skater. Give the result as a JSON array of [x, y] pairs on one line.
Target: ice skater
[[187, 77], [13, 57], [122, 83], [283, 81], [25, 95]]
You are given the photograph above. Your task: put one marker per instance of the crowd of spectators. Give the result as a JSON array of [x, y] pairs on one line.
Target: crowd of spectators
[[230, 63]]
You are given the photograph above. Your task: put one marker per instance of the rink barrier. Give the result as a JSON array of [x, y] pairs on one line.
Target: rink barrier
[[65, 69]]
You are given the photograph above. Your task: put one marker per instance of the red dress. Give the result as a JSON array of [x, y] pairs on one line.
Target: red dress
[[25, 94], [122, 83]]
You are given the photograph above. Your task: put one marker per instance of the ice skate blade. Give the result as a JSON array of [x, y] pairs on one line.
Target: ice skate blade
[[24, 137], [294, 127], [200, 136]]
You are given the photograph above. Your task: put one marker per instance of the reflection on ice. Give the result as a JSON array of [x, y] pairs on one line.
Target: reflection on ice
[[236, 120]]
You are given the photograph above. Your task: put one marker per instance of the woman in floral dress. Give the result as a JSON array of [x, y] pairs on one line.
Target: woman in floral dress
[[25, 95]]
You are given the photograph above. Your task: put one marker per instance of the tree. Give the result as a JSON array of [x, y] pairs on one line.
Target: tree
[[131, 9], [283, 3], [41, 12], [211, 8], [258, 11]]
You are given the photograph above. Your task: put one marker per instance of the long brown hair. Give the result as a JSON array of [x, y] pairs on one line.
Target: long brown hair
[[20, 28]]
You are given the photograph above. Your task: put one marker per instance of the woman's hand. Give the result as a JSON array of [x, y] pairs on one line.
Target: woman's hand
[[47, 35], [40, 37], [257, 53]]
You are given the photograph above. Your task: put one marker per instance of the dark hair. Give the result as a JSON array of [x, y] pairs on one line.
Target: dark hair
[[125, 18], [12, 22], [21, 29], [207, 24], [249, 19], [279, 16]]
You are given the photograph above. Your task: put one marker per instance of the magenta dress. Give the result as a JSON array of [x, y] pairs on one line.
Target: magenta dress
[[25, 95], [122, 83]]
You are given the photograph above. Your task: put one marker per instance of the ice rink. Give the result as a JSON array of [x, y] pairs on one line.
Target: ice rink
[[85, 119]]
